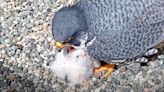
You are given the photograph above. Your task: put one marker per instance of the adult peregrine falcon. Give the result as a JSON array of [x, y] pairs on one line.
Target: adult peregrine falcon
[[119, 29]]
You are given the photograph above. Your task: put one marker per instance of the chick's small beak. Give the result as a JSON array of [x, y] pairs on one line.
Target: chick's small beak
[[59, 45]]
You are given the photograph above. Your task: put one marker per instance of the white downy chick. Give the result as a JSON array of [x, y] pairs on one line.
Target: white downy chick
[[74, 65]]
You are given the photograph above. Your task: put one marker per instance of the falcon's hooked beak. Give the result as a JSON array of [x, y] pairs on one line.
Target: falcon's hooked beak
[[62, 45], [59, 45]]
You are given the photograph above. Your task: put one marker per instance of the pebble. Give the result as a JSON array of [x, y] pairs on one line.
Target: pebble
[[39, 89], [1, 77], [29, 83], [11, 76], [28, 25], [161, 57]]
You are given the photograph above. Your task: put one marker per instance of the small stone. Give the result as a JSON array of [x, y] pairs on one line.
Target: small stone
[[29, 83], [46, 72], [1, 77], [29, 89], [39, 89], [161, 62], [161, 56], [148, 90], [15, 22], [122, 68], [5, 90], [45, 27], [160, 89], [29, 24], [19, 46], [93, 79], [59, 89], [48, 88], [11, 76], [14, 86], [1, 65], [4, 71], [24, 13], [97, 90]]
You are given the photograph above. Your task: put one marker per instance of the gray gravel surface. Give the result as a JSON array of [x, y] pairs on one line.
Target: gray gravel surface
[[25, 33]]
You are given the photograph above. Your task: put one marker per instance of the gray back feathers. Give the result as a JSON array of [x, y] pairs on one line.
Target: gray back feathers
[[123, 28]]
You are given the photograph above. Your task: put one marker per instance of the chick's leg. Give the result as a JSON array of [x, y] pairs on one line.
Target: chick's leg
[[108, 67]]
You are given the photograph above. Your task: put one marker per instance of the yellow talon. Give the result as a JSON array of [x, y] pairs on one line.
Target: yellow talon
[[108, 67]]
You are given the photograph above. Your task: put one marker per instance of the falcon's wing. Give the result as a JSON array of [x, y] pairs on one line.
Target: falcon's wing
[[141, 27]]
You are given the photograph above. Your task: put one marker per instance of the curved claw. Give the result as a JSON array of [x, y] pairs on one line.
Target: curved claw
[[108, 67]]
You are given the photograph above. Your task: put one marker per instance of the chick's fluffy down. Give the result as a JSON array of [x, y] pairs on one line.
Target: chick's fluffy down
[[75, 66]]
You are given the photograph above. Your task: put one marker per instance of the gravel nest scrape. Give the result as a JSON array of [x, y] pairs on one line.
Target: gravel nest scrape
[[25, 33]]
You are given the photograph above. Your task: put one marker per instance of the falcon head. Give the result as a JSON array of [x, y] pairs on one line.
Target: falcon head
[[66, 23]]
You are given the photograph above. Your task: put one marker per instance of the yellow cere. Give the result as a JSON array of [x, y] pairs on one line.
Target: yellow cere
[[59, 45]]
